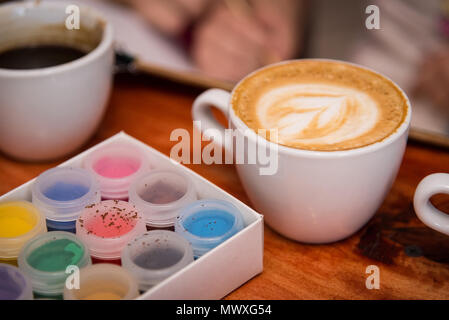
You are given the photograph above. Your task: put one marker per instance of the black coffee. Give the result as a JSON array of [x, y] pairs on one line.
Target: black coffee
[[36, 57]]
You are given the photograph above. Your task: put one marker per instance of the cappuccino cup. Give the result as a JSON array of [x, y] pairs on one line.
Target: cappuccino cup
[[51, 110], [437, 183], [340, 135]]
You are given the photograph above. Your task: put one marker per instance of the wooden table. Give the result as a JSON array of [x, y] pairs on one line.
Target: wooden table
[[413, 260]]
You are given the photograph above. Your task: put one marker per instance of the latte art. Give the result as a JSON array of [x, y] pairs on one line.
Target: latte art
[[316, 113], [320, 105]]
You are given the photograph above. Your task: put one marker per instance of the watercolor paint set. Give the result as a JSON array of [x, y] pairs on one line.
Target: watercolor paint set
[[135, 223]]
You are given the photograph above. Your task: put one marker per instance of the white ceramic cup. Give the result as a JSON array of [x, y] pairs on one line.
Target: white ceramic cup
[[49, 112], [431, 185], [315, 197]]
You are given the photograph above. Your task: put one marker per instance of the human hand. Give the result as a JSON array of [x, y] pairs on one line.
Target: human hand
[[238, 36], [171, 17]]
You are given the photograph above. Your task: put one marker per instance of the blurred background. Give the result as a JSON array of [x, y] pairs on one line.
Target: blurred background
[[214, 43]]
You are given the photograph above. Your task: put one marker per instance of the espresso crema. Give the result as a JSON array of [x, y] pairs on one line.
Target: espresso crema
[[320, 105]]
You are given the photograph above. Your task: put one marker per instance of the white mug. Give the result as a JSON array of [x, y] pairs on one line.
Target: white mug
[[431, 185], [315, 197], [49, 112]]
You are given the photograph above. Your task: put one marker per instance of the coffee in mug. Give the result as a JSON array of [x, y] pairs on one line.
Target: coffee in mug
[[320, 105], [54, 81], [341, 134]]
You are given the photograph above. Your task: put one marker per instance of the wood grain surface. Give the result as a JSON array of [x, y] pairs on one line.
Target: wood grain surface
[[413, 260]]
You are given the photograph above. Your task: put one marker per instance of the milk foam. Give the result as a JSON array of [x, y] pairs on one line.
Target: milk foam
[[310, 114], [320, 105]]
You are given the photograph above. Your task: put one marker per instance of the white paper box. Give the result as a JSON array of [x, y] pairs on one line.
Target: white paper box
[[219, 271]]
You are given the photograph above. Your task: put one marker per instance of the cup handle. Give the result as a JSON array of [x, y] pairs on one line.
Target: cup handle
[[203, 117], [426, 212]]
